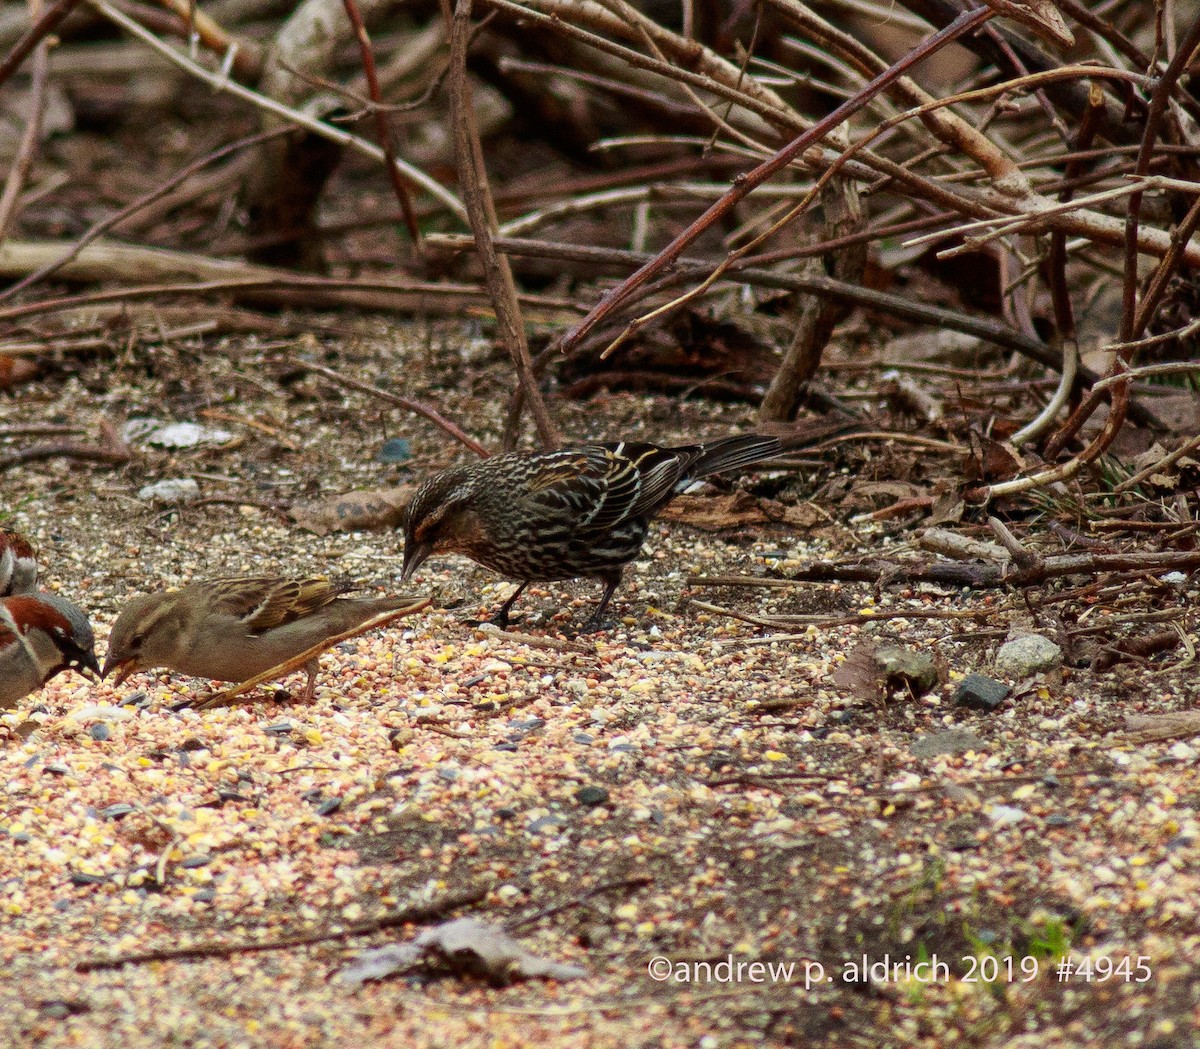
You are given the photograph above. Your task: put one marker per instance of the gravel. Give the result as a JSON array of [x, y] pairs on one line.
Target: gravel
[[694, 790]]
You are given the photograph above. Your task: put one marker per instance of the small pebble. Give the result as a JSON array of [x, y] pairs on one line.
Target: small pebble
[[591, 796]]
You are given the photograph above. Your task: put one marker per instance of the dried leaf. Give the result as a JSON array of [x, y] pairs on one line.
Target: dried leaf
[[469, 947], [355, 511], [947, 509], [859, 674]]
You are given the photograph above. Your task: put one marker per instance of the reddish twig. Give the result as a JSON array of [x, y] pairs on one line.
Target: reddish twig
[[414, 406], [49, 21], [33, 130], [749, 181], [381, 121]]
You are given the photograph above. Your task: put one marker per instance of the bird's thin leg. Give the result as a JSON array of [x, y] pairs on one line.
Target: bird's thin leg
[[595, 622], [311, 668], [501, 617]]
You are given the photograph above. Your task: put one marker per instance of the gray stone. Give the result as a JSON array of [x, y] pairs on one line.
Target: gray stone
[[980, 693], [591, 795], [1025, 656], [950, 741], [904, 666]]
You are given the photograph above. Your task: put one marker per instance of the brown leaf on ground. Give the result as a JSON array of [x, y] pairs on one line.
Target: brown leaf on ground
[[355, 511], [15, 370], [990, 460], [859, 674]]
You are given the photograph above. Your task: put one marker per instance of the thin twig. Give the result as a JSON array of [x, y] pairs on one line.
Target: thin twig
[[36, 104], [420, 912], [410, 403], [49, 20], [382, 127]]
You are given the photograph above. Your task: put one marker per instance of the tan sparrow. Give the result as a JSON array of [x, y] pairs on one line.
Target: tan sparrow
[[18, 564], [40, 635], [235, 629]]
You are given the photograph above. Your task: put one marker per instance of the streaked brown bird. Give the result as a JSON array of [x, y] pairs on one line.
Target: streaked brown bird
[[579, 511], [235, 629]]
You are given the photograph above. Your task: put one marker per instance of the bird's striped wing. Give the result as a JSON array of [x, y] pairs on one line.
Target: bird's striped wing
[[265, 603], [601, 486]]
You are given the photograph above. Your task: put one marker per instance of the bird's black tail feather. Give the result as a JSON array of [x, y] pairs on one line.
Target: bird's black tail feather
[[731, 452]]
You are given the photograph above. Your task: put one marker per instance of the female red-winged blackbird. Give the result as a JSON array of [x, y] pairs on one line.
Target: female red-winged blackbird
[[579, 511]]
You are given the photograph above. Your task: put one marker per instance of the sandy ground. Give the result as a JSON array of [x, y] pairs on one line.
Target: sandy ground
[[684, 799]]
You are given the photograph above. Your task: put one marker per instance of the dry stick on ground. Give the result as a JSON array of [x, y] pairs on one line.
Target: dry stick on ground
[[382, 127], [410, 403], [49, 20], [296, 662], [638, 881], [977, 576], [421, 912], [747, 182], [111, 451], [241, 281], [101, 227], [481, 210], [36, 103]]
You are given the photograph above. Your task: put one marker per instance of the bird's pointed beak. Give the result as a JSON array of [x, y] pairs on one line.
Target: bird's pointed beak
[[414, 557], [123, 669], [89, 662]]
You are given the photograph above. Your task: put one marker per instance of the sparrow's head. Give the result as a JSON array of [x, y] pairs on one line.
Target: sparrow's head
[[58, 630], [145, 634]]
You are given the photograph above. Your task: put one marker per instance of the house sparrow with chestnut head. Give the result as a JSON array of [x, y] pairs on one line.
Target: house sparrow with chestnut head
[[40, 635], [236, 629], [18, 564]]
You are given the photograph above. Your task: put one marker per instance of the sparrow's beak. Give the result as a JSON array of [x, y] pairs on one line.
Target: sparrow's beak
[[80, 659], [124, 668], [87, 661], [414, 556]]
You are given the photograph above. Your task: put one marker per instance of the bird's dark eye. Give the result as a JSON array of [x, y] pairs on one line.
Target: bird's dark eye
[[136, 640]]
